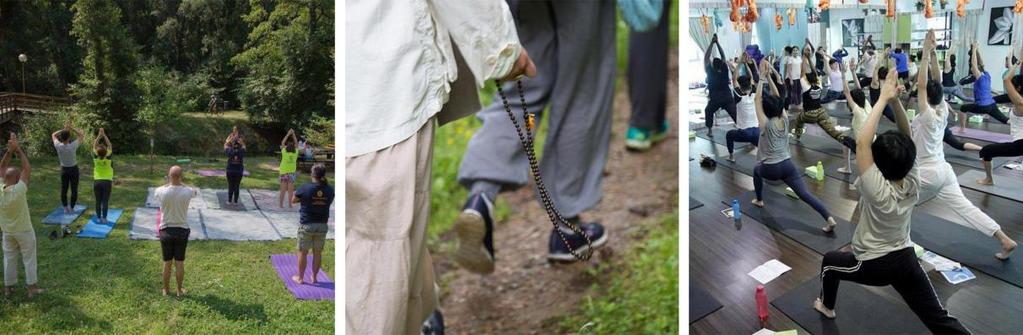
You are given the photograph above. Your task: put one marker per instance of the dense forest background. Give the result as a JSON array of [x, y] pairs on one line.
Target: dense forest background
[[135, 67]]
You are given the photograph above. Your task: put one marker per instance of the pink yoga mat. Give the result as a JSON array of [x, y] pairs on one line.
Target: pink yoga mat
[[216, 173], [983, 135], [287, 266]]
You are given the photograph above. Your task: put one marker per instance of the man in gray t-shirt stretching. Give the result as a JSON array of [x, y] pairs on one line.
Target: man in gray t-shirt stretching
[[67, 154]]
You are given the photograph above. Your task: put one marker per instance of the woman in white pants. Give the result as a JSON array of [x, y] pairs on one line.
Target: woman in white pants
[[937, 179]]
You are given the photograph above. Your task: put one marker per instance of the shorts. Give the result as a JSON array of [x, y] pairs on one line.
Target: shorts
[[173, 241], [287, 178], [312, 236]]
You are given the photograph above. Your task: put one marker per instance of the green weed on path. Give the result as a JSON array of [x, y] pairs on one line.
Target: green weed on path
[[113, 285]]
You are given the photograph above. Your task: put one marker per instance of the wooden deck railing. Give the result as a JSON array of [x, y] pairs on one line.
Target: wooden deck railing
[[10, 102]]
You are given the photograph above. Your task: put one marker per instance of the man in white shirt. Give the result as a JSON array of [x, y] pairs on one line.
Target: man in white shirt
[[174, 230], [404, 76]]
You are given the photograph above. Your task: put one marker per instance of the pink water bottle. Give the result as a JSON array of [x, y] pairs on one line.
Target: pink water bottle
[[762, 310]]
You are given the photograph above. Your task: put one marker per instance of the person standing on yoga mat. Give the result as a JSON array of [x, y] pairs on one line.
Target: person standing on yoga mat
[[314, 201], [949, 86], [774, 162], [882, 252], [721, 94], [937, 179], [19, 238], [1010, 149], [985, 103], [288, 169], [746, 117], [102, 174], [813, 112], [174, 230], [858, 107], [67, 155], [234, 149], [793, 72]]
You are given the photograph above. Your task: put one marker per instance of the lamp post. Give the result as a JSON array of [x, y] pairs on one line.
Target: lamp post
[[23, 60]]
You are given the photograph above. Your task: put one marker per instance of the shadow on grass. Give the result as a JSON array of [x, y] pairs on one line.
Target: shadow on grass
[[229, 309]]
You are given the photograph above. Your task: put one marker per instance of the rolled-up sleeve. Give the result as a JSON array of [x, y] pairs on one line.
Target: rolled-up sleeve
[[485, 34]]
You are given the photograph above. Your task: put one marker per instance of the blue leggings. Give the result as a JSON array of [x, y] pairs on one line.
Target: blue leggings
[[787, 172], [748, 135]]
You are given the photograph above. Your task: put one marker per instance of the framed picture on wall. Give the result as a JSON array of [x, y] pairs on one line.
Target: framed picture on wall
[[1000, 28], [852, 32]]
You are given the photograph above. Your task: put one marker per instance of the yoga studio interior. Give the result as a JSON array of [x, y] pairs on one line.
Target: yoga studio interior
[[759, 267]]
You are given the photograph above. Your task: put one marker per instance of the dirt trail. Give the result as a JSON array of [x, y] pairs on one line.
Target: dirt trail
[[525, 294]]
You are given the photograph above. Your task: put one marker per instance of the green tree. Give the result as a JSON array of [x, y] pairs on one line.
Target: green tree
[[39, 29], [106, 92], [287, 62]]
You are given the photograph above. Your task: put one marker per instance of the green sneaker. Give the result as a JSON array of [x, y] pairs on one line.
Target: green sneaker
[[638, 139], [660, 134]]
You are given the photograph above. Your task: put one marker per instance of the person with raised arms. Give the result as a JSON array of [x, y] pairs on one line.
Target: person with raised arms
[[102, 174], [937, 178], [19, 238], [774, 162], [882, 252], [985, 102], [720, 92], [288, 170], [1009, 149], [234, 148], [67, 150], [813, 112]]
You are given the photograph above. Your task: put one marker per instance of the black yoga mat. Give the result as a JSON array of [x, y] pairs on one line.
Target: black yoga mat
[[719, 137], [966, 246], [701, 303], [971, 158], [859, 310], [797, 220], [826, 145], [744, 162], [694, 204], [1005, 186]]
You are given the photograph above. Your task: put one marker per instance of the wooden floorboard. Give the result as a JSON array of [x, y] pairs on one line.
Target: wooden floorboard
[[722, 253]]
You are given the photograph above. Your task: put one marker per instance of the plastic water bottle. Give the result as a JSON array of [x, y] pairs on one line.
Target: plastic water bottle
[[820, 170], [736, 213], [762, 309]]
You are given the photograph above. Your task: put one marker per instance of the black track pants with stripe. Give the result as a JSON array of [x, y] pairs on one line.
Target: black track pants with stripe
[[902, 271]]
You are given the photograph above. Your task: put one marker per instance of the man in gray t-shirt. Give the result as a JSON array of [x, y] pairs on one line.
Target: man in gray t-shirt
[[882, 251], [67, 149]]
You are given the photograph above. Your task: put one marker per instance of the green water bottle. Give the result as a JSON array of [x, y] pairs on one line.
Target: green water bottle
[[820, 170]]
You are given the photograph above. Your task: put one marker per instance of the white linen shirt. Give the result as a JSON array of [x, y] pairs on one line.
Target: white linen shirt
[[400, 62]]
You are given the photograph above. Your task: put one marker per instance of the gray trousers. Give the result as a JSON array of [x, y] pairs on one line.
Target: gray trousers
[[648, 74], [572, 44]]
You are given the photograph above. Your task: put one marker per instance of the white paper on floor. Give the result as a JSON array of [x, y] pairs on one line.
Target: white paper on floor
[[939, 263], [764, 331], [769, 271], [958, 276], [143, 225]]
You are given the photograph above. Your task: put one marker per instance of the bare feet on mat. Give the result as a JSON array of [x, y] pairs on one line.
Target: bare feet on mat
[[758, 203], [819, 306], [297, 279], [830, 228], [731, 158], [843, 170], [985, 181], [1007, 248]]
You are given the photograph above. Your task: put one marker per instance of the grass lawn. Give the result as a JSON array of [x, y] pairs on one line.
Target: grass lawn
[[113, 285]]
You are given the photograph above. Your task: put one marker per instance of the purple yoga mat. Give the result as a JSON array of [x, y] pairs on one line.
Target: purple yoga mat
[[287, 266], [216, 173], [983, 135]]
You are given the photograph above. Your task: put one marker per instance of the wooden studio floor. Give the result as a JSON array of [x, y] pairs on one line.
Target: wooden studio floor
[[721, 254]]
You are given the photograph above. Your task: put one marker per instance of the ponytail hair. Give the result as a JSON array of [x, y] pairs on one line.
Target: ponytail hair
[[319, 171]]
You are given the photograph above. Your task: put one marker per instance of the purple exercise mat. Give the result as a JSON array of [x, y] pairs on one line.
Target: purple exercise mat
[[216, 173], [287, 266], [983, 135]]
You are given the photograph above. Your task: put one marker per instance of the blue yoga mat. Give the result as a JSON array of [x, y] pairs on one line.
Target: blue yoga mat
[[94, 229], [57, 216]]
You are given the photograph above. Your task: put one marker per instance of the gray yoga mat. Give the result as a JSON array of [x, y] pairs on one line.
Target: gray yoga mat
[[143, 225], [286, 224], [1005, 186], [795, 219], [966, 246], [983, 135], [701, 303], [859, 310], [238, 226], [825, 145]]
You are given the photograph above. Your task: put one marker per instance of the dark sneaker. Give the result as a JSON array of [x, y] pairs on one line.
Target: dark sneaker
[[475, 229], [434, 325], [557, 251]]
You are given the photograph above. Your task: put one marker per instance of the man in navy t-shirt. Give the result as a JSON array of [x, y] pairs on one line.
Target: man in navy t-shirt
[[314, 211]]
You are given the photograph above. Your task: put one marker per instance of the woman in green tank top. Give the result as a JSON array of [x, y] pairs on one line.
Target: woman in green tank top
[[102, 174], [288, 169]]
